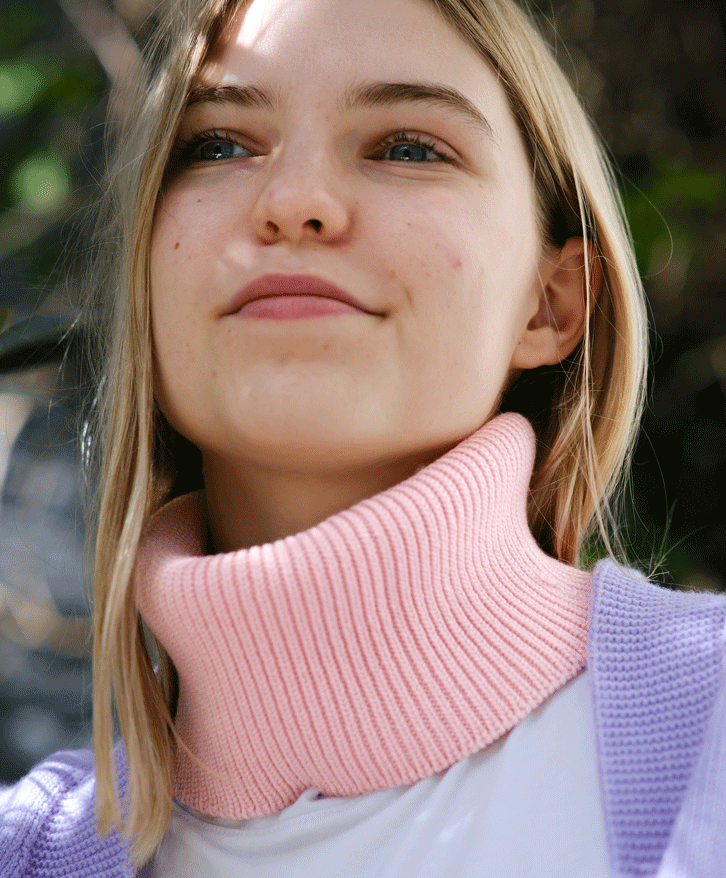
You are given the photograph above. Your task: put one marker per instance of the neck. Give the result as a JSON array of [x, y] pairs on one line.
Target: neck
[[372, 650], [253, 505]]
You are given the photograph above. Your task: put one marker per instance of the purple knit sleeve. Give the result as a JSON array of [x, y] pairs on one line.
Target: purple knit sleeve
[[656, 663], [48, 825], [698, 843]]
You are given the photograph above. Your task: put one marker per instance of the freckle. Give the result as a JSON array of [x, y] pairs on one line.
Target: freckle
[[456, 262], [199, 200], [176, 246]]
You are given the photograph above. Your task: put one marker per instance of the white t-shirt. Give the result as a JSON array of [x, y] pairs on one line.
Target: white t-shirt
[[528, 806]]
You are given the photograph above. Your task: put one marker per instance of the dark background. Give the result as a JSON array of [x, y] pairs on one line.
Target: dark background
[[652, 75]]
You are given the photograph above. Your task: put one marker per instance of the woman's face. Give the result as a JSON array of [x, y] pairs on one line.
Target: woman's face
[[363, 145]]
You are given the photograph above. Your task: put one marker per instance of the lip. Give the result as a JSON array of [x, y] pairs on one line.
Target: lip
[[272, 285]]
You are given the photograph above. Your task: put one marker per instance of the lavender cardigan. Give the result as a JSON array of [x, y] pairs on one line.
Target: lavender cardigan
[[657, 661]]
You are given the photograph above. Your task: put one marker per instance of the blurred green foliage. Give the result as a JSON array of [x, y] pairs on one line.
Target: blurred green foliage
[[50, 89], [653, 207]]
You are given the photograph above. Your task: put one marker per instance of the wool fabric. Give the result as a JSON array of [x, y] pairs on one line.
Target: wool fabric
[[657, 658], [48, 823], [657, 665], [374, 649], [657, 824]]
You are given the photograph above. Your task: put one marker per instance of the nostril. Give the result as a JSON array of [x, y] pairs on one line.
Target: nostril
[[316, 224]]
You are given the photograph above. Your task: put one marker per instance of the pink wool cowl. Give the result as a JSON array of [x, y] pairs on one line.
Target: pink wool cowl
[[373, 650]]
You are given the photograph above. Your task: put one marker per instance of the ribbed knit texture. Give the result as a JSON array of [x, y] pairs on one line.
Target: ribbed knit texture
[[47, 820], [657, 662], [48, 823], [698, 843], [372, 650]]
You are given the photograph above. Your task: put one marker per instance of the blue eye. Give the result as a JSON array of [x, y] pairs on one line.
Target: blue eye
[[405, 147], [219, 149], [211, 147], [409, 152]]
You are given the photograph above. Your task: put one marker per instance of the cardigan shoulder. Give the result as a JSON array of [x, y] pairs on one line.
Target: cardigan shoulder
[[48, 823], [657, 663]]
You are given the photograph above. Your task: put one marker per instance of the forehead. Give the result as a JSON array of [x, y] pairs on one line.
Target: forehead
[[317, 47]]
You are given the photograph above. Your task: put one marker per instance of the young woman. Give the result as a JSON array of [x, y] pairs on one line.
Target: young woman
[[367, 285]]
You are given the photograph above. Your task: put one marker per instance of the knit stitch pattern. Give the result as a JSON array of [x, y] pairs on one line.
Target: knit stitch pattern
[[48, 823], [373, 650], [44, 833], [656, 665], [656, 658], [698, 843]]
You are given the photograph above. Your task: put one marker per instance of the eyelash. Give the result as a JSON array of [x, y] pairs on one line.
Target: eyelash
[[417, 140], [184, 152]]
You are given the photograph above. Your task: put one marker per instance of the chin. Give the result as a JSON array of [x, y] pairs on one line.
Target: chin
[[322, 444]]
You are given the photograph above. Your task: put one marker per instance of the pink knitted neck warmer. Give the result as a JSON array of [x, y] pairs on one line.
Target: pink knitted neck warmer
[[374, 649]]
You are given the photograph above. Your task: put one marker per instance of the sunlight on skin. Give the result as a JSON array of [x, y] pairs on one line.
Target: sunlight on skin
[[407, 204]]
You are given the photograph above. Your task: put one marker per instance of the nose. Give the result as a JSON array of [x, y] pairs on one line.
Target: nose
[[304, 198]]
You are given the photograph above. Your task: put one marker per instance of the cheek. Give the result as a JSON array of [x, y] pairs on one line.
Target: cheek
[[201, 212], [176, 276], [468, 265], [185, 263], [185, 228], [450, 252], [426, 243]]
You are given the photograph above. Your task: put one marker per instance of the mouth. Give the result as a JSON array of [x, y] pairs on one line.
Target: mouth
[[298, 294]]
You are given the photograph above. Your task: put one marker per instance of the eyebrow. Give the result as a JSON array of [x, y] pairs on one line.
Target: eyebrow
[[370, 94], [390, 94], [240, 95]]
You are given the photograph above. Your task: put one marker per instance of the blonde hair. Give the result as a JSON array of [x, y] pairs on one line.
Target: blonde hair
[[586, 427]]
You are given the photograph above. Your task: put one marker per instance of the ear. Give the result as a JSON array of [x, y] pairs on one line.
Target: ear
[[562, 306]]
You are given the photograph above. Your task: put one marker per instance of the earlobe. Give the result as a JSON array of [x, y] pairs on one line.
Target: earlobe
[[563, 307]]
